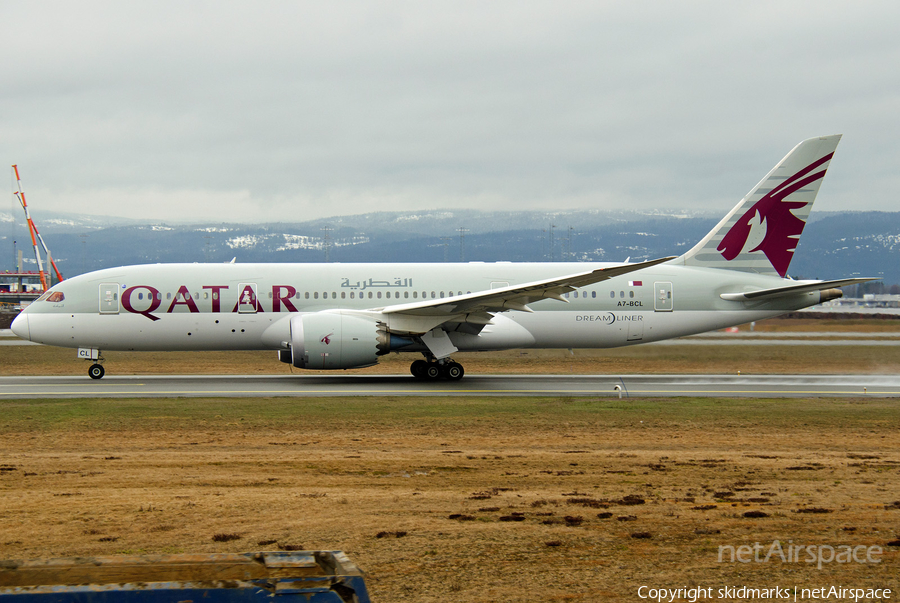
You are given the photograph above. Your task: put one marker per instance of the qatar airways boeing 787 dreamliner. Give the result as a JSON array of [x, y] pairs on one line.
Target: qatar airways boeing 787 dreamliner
[[344, 316]]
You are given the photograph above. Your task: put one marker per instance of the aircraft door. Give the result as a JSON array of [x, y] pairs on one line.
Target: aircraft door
[[109, 298], [636, 329], [248, 302], [662, 297]]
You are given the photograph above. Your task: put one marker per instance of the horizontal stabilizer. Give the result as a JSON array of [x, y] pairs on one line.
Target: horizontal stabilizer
[[800, 287]]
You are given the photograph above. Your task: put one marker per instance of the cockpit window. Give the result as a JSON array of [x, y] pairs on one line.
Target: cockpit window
[[55, 297], [43, 297]]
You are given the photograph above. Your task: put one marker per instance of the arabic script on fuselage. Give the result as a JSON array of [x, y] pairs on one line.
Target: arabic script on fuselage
[[369, 284]]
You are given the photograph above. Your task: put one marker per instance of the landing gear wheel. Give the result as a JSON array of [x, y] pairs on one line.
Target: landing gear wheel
[[96, 371], [433, 372], [418, 369], [454, 371]]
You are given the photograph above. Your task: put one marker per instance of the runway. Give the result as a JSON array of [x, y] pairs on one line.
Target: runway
[[624, 386]]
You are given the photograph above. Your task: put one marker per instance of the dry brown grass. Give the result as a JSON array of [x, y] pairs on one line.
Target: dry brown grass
[[601, 496]]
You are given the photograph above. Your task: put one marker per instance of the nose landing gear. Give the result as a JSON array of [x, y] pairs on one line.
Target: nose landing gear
[[433, 370], [96, 371]]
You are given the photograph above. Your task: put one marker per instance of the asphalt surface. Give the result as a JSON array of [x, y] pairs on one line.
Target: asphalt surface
[[472, 385], [625, 386]]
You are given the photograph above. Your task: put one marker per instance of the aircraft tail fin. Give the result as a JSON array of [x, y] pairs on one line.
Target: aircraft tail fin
[[761, 233]]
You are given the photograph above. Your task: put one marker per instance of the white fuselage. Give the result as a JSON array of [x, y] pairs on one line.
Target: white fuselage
[[212, 306]]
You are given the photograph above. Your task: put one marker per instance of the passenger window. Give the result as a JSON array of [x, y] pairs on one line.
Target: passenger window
[[593, 294], [433, 295], [415, 294], [306, 295], [612, 294], [343, 295], [370, 295], [406, 294], [621, 294], [169, 295], [351, 295], [333, 295], [631, 294], [379, 295], [442, 295], [315, 295], [141, 295]]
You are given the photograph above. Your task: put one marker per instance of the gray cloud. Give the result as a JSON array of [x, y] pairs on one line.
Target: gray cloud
[[287, 110]]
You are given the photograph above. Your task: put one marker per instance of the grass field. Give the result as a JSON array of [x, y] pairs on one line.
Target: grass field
[[464, 499], [470, 499]]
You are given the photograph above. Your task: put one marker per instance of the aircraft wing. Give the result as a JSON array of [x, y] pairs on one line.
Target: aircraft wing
[[514, 297], [800, 287]]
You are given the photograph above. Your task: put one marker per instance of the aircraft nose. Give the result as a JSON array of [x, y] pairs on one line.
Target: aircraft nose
[[20, 326]]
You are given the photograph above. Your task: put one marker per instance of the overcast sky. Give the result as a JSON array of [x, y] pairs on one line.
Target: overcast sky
[[265, 111]]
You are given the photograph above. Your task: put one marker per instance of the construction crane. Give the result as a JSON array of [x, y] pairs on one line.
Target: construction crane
[[35, 236]]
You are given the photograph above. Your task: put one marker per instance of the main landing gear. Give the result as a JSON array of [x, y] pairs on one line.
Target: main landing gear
[[433, 370]]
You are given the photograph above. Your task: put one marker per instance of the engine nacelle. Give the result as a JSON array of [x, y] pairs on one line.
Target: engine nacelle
[[338, 340]]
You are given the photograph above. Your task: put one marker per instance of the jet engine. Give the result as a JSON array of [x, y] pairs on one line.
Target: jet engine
[[339, 340]]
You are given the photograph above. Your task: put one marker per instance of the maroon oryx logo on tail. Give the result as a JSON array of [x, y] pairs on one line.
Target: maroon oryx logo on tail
[[782, 228]]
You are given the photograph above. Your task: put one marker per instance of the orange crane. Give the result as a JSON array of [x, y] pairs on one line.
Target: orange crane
[[35, 236]]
